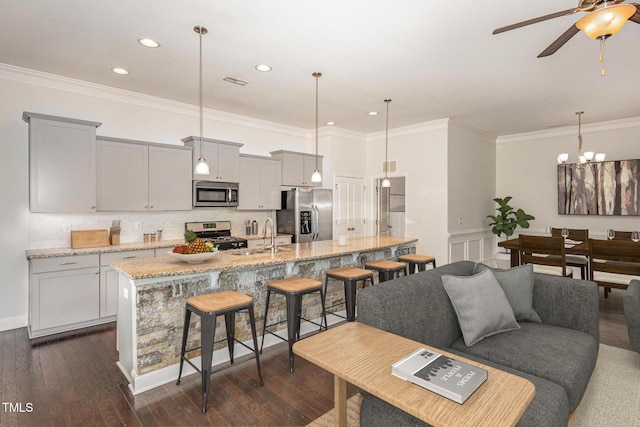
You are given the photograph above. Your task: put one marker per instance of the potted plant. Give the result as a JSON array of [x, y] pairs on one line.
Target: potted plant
[[506, 222]]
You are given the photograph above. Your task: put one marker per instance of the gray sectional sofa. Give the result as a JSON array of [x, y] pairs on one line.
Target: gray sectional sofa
[[557, 355]]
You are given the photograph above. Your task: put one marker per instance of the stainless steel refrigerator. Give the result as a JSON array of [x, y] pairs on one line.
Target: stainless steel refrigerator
[[306, 214]]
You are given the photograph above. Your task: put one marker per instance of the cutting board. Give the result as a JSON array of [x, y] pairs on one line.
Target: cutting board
[[89, 238]]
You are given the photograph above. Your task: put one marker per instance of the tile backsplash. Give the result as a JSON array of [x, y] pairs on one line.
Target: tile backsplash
[[54, 230]]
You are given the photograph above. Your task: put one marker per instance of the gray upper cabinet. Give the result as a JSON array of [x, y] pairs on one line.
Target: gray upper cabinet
[[223, 158], [142, 176], [62, 164], [259, 183], [297, 168]]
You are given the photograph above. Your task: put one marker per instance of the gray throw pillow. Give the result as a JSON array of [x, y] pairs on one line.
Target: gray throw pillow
[[480, 304], [517, 284]]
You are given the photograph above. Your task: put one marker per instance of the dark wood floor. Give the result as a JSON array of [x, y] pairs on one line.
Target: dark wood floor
[[74, 381]]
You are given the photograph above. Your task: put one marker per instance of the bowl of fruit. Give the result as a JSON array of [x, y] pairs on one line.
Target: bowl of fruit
[[195, 251]]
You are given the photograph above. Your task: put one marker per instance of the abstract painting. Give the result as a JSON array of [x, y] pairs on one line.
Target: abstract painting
[[605, 188]]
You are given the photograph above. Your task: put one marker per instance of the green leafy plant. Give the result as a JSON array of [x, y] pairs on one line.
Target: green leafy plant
[[508, 218]]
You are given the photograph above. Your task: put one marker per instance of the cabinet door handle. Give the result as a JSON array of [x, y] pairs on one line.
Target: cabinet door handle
[[151, 206], [68, 263], [146, 206], [129, 257]]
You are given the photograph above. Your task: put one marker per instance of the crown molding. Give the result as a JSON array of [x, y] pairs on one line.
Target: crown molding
[[410, 129], [56, 82], [570, 130]]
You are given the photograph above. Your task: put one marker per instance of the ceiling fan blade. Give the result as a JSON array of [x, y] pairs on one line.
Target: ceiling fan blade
[[560, 41], [536, 20], [635, 17]]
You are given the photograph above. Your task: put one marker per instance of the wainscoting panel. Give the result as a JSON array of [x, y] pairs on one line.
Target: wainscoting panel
[[471, 245]]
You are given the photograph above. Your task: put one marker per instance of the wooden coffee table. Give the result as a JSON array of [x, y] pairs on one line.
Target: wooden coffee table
[[363, 355]]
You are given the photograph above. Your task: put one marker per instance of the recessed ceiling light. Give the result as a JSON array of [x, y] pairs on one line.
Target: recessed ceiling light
[[148, 42], [373, 113], [263, 67], [119, 70], [331, 123]]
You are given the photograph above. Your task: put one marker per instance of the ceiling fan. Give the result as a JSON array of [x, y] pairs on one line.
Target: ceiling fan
[[605, 18]]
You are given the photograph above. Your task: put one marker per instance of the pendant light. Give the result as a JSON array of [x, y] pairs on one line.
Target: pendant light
[[583, 157], [385, 181], [316, 176], [202, 167]]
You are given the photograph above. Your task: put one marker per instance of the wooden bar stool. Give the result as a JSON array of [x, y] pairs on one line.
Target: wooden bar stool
[[386, 269], [420, 261], [349, 276], [209, 307], [293, 289]]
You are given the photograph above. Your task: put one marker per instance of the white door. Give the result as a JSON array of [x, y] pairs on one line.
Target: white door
[[349, 206]]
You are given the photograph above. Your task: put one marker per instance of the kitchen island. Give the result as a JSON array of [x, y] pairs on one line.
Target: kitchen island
[[152, 294]]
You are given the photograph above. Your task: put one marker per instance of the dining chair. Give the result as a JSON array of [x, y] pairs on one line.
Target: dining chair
[[580, 261], [546, 254], [614, 263], [622, 235]]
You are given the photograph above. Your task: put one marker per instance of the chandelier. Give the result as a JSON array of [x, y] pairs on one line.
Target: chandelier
[[584, 157]]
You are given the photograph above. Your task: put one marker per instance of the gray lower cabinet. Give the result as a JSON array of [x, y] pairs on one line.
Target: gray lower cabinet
[[109, 279], [72, 292], [64, 293]]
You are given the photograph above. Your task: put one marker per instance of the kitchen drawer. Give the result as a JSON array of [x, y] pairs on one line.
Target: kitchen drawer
[[111, 257], [42, 265]]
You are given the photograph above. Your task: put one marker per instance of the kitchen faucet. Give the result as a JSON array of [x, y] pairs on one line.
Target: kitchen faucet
[[273, 235]]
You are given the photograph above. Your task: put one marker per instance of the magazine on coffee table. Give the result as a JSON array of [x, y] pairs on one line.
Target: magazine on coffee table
[[448, 377]]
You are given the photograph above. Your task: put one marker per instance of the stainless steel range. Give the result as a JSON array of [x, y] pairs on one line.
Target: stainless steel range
[[217, 232]]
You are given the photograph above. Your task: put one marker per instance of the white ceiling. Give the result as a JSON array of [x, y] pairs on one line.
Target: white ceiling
[[434, 59]]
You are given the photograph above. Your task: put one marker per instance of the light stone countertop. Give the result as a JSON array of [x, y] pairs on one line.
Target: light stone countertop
[[56, 252], [229, 260], [67, 251]]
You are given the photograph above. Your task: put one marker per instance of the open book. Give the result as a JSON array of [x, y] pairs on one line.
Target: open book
[[448, 377]]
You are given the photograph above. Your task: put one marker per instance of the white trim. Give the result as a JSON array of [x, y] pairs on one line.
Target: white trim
[[15, 322], [52, 81], [570, 130], [145, 382], [410, 130]]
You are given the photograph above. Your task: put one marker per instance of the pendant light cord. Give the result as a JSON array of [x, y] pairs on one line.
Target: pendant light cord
[[317, 75], [386, 141], [201, 91]]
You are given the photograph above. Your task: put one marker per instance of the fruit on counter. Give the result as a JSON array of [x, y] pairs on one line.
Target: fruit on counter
[[210, 247], [181, 249], [196, 245]]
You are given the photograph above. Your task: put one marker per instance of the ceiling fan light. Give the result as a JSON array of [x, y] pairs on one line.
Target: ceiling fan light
[[600, 157], [606, 21], [582, 160], [386, 182], [588, 155]]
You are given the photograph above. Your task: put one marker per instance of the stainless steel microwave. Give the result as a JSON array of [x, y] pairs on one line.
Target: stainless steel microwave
[[212, 194]]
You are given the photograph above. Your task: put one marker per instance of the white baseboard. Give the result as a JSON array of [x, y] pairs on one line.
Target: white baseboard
[[145, 382], [8, 323]]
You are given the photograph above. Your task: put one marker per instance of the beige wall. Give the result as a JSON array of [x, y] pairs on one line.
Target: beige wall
[[526, 169]]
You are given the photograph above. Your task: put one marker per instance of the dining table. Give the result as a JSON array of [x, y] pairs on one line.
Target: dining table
[[571, 247]]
